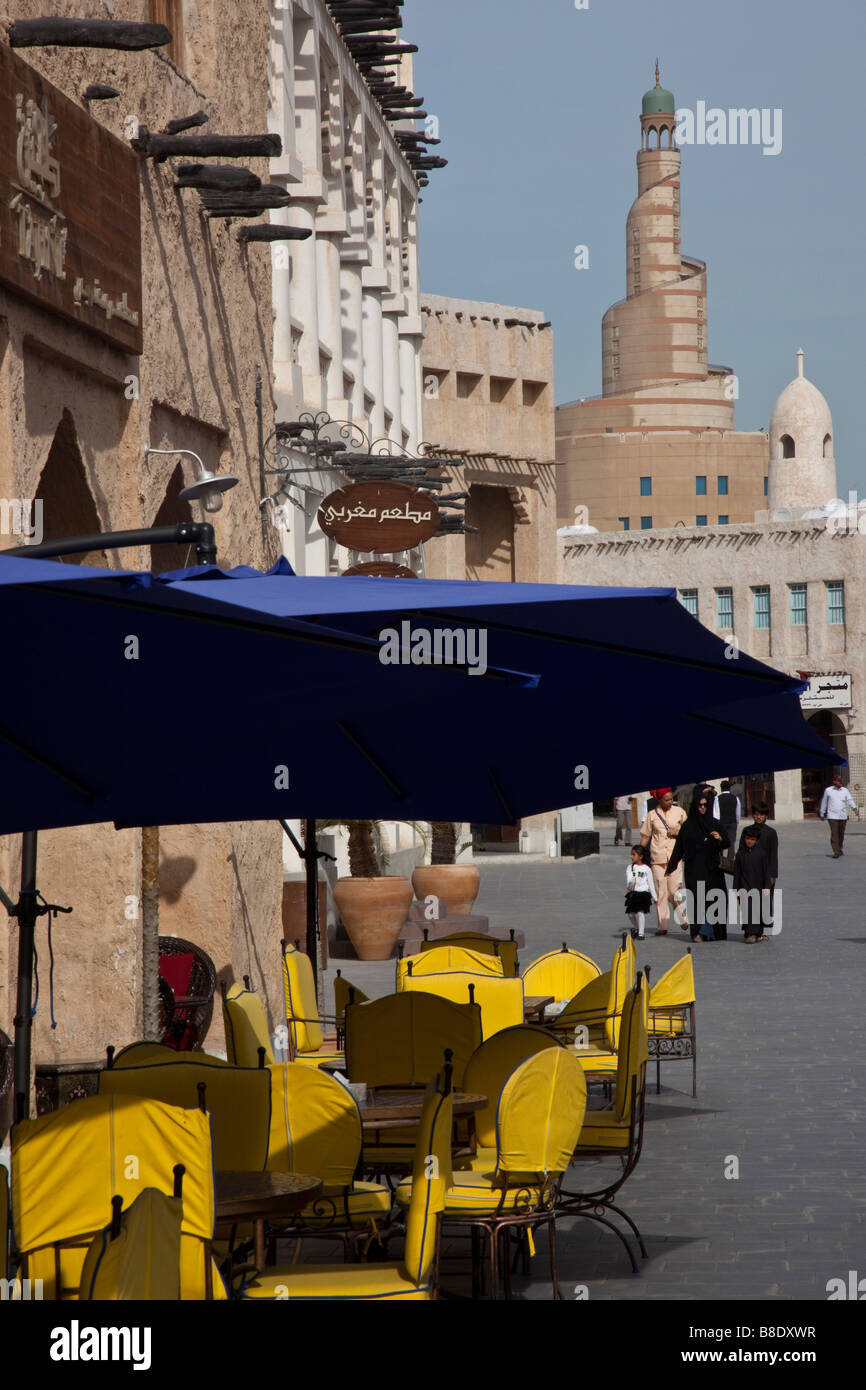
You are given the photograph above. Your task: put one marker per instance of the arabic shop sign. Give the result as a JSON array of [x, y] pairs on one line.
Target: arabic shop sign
[[827, 692], [70, 220], [379, 517]]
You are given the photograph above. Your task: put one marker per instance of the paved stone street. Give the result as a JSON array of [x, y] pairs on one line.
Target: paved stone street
[[780, 1083]]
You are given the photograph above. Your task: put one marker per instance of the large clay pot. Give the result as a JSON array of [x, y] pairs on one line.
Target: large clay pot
[[455, 885], [373, 911]]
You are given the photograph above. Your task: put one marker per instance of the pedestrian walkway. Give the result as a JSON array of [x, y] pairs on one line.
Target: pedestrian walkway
[[781, 1076]]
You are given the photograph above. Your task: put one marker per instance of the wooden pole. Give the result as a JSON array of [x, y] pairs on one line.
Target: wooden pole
[[150, 932]]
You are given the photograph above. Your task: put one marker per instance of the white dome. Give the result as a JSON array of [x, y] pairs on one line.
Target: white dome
[[801, 425]]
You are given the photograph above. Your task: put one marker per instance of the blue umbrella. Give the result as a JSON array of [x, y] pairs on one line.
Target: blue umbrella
[[393, 698], [354, 698]]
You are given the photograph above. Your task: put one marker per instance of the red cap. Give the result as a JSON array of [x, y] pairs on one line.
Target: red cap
[[659, 792]]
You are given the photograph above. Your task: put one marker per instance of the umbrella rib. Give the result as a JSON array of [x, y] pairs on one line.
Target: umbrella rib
[[500, 793], [753, 733], [374, 763], [54, 768], [305, 631], [592, 643]]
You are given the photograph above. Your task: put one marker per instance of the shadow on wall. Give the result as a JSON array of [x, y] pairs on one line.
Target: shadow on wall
[[174, 875]]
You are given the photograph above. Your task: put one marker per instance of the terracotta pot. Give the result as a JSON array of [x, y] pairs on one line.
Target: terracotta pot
[[373, 911], [455, 885]]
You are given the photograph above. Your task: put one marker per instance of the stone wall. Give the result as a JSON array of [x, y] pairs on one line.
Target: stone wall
[[207, 320]]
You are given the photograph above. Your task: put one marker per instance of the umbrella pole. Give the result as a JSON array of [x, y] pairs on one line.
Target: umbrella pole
[[311, 865], [26, 914], [150, 932]]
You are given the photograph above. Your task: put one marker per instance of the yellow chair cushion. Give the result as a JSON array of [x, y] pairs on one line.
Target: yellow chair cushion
[[352, 1282], [602, 1130], [595, 1058], [315, 1059], [477, 1191]]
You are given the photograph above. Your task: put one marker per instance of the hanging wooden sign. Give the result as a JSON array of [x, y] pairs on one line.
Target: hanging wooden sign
[[70, 222], [378, 517], [382, 569]]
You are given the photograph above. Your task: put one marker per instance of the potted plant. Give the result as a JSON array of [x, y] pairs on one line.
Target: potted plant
[[455, 885], [372, 905]]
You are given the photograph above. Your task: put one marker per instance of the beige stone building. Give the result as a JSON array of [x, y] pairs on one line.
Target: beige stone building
[[658, 447], [790, 587], [79, 403], [488, 400]]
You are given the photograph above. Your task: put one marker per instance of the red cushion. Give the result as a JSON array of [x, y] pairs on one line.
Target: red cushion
[[176, 971]]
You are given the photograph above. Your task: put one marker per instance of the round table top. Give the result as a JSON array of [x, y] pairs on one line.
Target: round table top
[[407, 1105], [250, 1194]]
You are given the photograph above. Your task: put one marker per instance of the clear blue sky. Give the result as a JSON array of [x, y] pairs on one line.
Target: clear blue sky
[[539, 105]]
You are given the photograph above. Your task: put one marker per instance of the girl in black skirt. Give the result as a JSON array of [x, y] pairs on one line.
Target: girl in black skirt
[[640, 890], [752, 884]]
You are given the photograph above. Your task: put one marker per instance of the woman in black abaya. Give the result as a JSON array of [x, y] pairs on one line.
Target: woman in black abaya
[[698, 846]]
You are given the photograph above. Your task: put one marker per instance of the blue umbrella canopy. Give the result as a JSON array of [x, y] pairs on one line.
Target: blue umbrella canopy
[[210, 695]]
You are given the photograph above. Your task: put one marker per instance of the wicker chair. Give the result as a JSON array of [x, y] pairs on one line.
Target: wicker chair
[[186, 996]]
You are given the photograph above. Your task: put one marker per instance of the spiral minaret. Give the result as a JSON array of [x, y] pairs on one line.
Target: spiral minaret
[[659, 331]]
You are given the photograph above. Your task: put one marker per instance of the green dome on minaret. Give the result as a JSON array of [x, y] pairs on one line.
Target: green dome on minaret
[[657, 99]]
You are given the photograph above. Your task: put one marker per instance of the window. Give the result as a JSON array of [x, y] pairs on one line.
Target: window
[[725, 609], [828, 446], [723, 519], [766, 484], [797, 604], [533, 391], [700, 520], [701, 485], [787, 444], [646, 523], [722, 482], [623, 520], [466, 384], [761, 605], [499, 388], [835, 602], [689, 600], [646, 487]]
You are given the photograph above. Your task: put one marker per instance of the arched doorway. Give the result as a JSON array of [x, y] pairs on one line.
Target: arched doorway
[[828, 726], [172, 509], [68, 508]]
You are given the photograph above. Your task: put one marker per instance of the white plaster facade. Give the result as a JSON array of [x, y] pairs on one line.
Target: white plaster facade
[[347, 324]]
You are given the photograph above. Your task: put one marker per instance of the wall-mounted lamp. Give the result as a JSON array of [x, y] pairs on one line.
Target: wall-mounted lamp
[[208, 488]]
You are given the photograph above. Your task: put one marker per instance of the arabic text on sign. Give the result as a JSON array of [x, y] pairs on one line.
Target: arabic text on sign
[[377, 514]]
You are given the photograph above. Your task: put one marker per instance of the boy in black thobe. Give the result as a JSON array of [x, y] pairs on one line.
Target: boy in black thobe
[[752, 884]]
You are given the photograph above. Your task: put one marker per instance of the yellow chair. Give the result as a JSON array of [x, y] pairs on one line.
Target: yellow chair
[[149, 1054], [137, 1256], [399, 1040], [238, 1099], [67, 1166], [672, 1030], [539, 1117], [481, 942], [592, 1018], [500, 1000], [616, 1130], [560, 973], [246, 1027], [415, 1279], [506, 950], [444, 958], [486, 1073], [307, 1041], [316, 1128]]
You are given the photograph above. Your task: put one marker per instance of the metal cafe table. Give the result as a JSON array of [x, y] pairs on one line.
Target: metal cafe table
[[254, 1196]]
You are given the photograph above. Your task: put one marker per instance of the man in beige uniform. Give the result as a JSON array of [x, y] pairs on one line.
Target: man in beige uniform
[[659, 831]]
